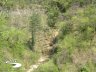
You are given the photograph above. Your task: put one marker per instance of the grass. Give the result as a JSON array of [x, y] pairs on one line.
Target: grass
[[75, 43], [77, 35], [47, 67], [13, 45]]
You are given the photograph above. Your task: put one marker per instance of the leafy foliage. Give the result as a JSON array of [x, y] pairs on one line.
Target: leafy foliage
[[35, 27], [75, 44], [77, 33]]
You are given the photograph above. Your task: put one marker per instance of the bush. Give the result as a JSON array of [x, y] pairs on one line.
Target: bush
[[34, 27], [77, 33], [66, 29], [88, 67], [3, 21], [52, 18], [52, 15]]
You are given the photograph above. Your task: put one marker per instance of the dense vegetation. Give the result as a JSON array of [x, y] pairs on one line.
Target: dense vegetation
[[74, 47]]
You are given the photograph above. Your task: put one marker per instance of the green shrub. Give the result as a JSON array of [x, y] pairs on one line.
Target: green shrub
[[69, 67], [52, 18], [88, 67], [66, 29], [3, 21], [34, 27], [52, 15], [77, 33]]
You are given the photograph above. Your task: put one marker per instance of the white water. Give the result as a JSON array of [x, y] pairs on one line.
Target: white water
[[14, 64]]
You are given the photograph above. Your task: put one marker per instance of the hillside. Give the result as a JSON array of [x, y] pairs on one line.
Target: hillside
[[48, 35]]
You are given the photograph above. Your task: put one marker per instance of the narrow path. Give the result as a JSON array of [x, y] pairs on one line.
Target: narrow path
[[19, 18], [41, 60]]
